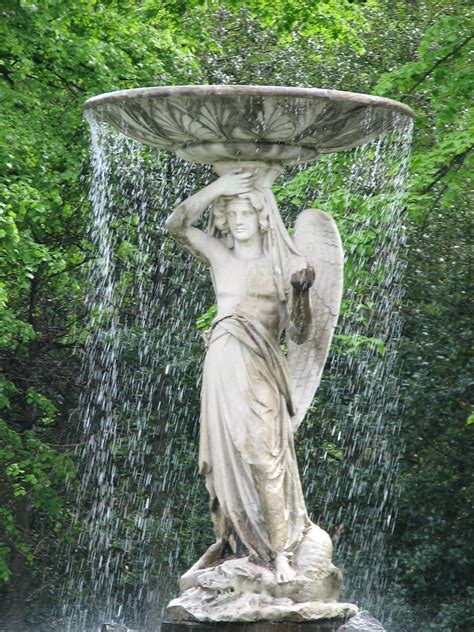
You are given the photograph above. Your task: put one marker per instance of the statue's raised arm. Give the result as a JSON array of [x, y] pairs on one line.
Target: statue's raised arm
[[180, 222]]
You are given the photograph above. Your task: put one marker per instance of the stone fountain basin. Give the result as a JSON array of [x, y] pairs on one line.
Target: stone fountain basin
[[210, 124]]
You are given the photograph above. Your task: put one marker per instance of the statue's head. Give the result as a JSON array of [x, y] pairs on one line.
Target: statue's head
[[241, 217], [257, 213]]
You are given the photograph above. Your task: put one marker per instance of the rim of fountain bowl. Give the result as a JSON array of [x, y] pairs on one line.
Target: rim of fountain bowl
[[247, 90]]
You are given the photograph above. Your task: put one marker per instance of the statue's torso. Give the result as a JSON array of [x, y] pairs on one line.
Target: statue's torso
[[247, 287]]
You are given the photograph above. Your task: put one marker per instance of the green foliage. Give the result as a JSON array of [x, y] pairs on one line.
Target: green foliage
[[204, 321], [434, 488], [439, 86], [32, 472], [353, 344]]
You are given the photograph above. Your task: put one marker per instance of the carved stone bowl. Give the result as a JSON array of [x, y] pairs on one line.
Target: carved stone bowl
[[210, 124]]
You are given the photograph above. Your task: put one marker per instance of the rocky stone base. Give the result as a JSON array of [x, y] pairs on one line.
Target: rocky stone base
[[240, 589]]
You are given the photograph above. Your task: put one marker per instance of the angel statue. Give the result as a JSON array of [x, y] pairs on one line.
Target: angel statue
[[254, 397]]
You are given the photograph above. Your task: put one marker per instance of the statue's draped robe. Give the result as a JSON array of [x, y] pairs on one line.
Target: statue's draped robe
[[246, 441]]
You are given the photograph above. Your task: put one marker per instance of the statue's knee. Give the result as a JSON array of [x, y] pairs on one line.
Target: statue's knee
[[262, 471]]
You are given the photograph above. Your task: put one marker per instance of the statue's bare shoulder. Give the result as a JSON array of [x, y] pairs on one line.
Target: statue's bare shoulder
[[207, 249]]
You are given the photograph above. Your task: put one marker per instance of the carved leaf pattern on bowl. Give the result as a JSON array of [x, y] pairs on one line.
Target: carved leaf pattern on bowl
[[318, 123]]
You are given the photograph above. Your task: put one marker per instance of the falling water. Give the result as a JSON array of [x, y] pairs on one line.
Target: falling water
[[135, 408], [141, 509], [350, 470]]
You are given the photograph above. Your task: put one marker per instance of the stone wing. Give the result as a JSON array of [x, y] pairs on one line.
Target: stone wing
[[318, 242]]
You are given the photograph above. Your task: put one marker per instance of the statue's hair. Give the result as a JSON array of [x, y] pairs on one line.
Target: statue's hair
[[220, 205]]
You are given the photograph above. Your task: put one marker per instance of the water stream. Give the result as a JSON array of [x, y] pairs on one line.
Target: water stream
[[357, 406], [142, 514]]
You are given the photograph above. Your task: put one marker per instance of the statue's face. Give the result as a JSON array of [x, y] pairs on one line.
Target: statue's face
[[242, 219]]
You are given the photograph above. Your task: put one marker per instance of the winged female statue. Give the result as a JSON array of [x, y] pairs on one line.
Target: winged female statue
[[254, 397]]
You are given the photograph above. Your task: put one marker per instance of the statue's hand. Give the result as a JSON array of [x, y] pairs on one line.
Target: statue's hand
[[235, 182], [303, 279]]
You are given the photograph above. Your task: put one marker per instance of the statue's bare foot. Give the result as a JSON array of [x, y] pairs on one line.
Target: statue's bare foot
[[283, 571]]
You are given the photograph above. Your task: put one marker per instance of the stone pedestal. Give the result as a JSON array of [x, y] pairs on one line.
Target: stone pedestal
[[258, 626]]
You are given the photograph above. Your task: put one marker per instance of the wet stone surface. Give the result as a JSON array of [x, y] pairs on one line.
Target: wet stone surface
[[259, 626], [361, 622]]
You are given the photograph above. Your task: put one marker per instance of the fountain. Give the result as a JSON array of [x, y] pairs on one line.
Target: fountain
[[269, 562]]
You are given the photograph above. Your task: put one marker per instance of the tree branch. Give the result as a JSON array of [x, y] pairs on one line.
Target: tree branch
[[457, 159], [71, 267], [455, 50]]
